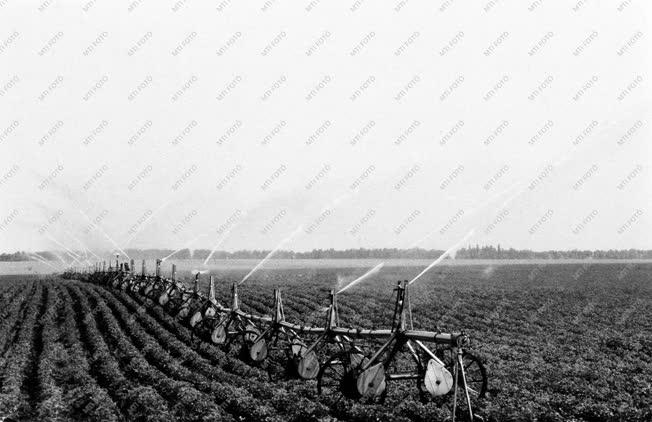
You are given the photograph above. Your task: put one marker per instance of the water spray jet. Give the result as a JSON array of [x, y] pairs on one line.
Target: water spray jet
[[271, 253], [97, 226], [369, 273], [448, 252]]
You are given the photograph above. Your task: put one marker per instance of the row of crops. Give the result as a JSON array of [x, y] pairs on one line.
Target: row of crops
[[561, 342], [74, 350]]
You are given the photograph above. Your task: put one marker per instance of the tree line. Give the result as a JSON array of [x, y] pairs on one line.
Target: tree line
[[468, 252]]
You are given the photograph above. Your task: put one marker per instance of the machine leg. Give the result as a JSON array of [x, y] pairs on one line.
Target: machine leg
[[460, 363], [455, 369]]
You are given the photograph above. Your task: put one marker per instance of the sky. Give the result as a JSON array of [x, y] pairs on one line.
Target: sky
[[254, 125]]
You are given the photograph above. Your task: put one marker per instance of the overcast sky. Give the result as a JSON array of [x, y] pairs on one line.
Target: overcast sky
[[324, 124]]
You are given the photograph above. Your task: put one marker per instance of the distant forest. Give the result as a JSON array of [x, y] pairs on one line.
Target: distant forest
[[470, 252]]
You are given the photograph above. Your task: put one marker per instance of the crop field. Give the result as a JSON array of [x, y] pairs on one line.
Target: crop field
[[559, 342]]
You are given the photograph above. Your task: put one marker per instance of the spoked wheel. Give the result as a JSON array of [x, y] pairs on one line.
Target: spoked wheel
[[194, 313], [336, 378], [132, 289], [476, 374], [476, 377], [397, 367], [137, 287], [182, 312], [241, 332], [143, 288], [280, 365], [238, 332], [171, 299], [231, 339], [154, 294], [174, 304], [147, 289], [202, 330], [332, 377]]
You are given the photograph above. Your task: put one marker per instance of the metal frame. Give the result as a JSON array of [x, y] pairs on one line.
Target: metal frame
[[260, 334]]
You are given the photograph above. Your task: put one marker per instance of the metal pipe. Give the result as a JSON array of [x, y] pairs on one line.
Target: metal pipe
[[429, 353], [402, 377], [314, 345], [439, 338], [303, 328], [361, 332], [254, 317], [372, 360]]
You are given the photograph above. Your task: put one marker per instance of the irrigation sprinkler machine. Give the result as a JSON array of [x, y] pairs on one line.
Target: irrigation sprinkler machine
[[355, 363]]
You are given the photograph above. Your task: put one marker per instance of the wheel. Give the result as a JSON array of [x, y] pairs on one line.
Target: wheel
[[132, 288], [182, 312], [336, 380], [476, 374], [279, 363], [146, 285], [154, 294], [331, 377], [250, 334], [194, 313], [245, 335], [202, 311], [137, 287], [148, 288], [174, 301], [202, 330]]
